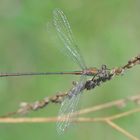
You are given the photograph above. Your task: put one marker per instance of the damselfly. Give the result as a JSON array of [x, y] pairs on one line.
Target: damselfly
[[68, 105]]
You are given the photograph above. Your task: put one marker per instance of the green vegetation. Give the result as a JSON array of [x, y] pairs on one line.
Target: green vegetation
[[107, 32]]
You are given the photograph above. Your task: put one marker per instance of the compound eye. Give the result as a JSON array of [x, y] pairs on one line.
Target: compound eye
[[104, 67]]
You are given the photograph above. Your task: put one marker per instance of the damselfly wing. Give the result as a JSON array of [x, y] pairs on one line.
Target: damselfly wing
[[69, 104]]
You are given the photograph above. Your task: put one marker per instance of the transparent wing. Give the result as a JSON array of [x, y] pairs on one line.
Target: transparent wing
[[65, 34], [69, 105]]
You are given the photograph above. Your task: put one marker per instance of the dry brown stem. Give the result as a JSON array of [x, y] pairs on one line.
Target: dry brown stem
[[104, 75], [107, 119]]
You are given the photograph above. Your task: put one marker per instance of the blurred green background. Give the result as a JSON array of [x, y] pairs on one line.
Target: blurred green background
[[107, 32]]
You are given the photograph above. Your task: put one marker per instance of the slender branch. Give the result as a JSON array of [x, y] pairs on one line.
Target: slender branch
[[117, 103], [127, 113], [127, 134], [79, 119], [28, 120], [107, 119], [101, 107], [104, 74]]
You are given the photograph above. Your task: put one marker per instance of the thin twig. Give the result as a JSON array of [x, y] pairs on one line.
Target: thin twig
[[127, 113], [117, 103], [100, 107], [79, 119], [107, 119], [103, 75], [127, 134]]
